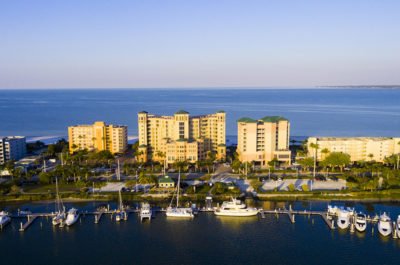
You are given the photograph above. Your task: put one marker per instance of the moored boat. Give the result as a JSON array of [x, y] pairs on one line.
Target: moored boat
[[4, 219], [60, 209], [343, 220], [397, 225], [235, 208], [385, 225], [72, 217], [360, 222], [145, 211], [176, 211]]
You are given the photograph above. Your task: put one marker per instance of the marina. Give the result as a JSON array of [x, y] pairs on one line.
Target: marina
[[356, 222], [279, 227]]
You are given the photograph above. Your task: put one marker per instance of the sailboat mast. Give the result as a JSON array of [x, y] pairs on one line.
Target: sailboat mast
[[57, 196], [179, 184]]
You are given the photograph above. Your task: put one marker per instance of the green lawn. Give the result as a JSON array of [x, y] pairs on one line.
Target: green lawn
[[45, 188]]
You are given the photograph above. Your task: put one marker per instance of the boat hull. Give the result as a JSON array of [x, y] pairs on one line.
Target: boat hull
[[247, 213], [5, 220], [384, 229], [72, 221], [179, 213], [343, 223], [361, 227]]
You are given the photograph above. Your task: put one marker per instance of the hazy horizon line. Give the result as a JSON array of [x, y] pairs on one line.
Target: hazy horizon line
[[214, 88]]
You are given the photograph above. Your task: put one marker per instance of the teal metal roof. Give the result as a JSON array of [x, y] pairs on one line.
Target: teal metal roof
[[247, 120], [273, 119], [165, 179], [181, 112]]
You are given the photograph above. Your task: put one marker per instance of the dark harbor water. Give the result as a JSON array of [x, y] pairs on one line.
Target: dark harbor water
[[319, 112], [206, 239]]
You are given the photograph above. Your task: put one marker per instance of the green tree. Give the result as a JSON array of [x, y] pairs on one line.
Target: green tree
[[45, 177], [306, 163], [337, 159]]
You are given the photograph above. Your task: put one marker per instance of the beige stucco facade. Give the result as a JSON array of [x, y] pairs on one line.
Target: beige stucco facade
[[181, 137], [263, 140], [98, 136], [359, 148]]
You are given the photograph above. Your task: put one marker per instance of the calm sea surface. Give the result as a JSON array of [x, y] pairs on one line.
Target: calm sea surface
[[321, 112], [206, 239]]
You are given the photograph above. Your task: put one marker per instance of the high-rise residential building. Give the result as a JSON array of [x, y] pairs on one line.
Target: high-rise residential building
[[12, 148], [264, 140], [98, 136], [359, 148], [181, 137]]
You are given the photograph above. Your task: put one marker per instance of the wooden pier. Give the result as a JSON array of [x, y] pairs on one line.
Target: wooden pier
[[31, 219], [291, 214]]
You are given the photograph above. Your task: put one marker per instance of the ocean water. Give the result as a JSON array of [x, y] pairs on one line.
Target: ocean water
[[206, 239], [312, 112]]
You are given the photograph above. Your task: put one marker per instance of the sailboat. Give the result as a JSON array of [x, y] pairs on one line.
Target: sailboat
[[60, 209], [121, 213], [178, 211]]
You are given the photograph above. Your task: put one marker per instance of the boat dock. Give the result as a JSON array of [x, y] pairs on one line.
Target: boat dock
[[31, 219], [291, 214]]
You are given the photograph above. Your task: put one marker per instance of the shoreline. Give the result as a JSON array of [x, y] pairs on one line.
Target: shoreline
[[290, 197]]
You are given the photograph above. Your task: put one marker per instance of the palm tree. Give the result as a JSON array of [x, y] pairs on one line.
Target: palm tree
[[370, 156], [315, 147]]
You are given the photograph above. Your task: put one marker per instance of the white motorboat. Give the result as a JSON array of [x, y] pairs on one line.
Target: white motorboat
[[145, 211], [60, 209], [398, 226], [177, 211], [385, 225], [235, 208], [72, 217], [360, 222], [4, 219], [343, 220]]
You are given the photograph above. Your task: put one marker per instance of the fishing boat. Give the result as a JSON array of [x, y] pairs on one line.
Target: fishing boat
[[60, 209], [343, 220], [4, 219], [121, 214], [385, 225], [72, 217], [360, 222], [176, 211], [145, 211], [235, 207]]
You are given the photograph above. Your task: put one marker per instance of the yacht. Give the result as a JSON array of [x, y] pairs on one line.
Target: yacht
[[360, 222], [178, 211], [385, 225], [4, 219], [121, 214], [60, 209], [235, 207], [72, 217], [145, 211], [343, 218]]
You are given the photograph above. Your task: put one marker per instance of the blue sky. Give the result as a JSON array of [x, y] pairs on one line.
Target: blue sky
[[198, 43]]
